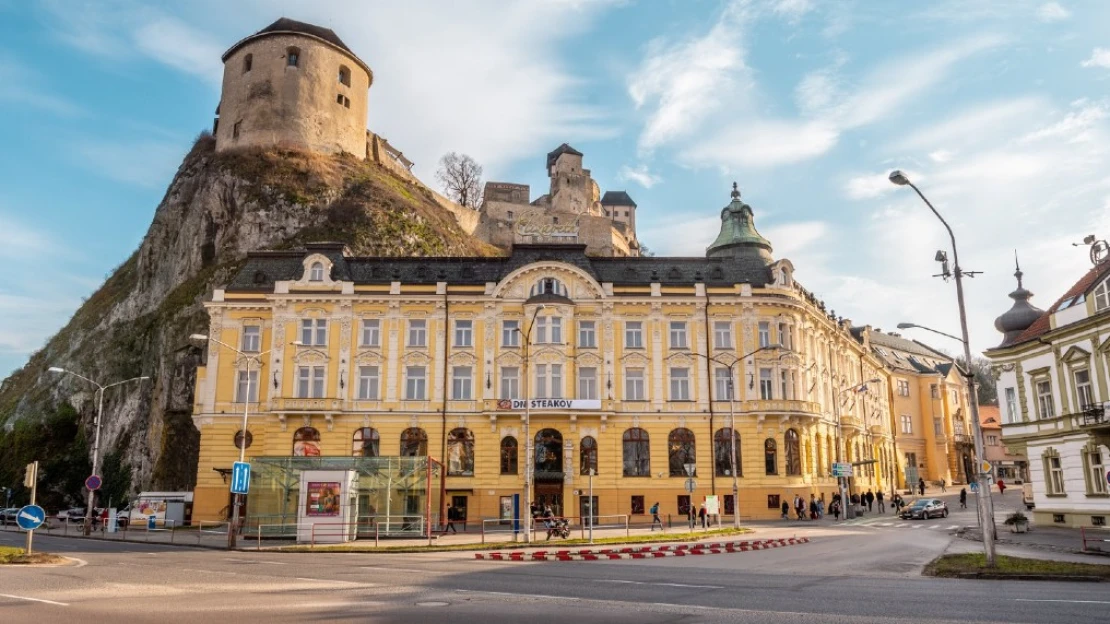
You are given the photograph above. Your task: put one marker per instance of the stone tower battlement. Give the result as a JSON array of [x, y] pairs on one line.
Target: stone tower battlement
[[297, 85]]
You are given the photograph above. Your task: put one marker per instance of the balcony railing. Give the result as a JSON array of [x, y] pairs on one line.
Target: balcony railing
[[964, 439], [758, 406], [1095, 416], [292, 404]]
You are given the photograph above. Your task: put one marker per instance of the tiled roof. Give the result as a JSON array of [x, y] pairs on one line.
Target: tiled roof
[[990, 417], [1042, 325], [617, 198]]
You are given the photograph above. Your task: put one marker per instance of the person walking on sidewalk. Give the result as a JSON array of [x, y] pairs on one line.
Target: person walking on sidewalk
[[451, 517], [921, 486], [942, 486], [870, 500], [785, 510], [963, 498], [655, 517], [1001, 487], [879, 499], [703, 515], [692, 515]]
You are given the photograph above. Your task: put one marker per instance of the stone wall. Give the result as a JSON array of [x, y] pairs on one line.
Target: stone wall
[[502, 224]]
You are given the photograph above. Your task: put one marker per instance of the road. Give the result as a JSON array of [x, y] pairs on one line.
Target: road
[[857, 573]]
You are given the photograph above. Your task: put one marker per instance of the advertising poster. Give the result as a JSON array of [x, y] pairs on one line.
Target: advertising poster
[[712, 505], [306, 448], [506, 509], [322, 499]]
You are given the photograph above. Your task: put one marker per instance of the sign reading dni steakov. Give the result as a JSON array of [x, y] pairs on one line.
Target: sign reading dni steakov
[[577, 404], [536, 227]]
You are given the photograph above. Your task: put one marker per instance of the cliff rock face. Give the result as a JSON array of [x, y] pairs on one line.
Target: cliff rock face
[[217, 208]]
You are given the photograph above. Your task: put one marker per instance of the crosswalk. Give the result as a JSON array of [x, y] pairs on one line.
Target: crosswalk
[[909, 525]]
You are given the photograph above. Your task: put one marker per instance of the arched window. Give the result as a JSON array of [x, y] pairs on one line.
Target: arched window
[[293, 57], [793, 453], [722, 453], [306, 442], [248, 60], [588, 452], [680, 451], [549, 286], [770, 456], [637, 453], [508, 455], [460, 452], [549, 452], [344, 75], [414, 442], [365, 442], [316, 273]]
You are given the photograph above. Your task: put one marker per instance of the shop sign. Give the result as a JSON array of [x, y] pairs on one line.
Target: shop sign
[[547, 404]]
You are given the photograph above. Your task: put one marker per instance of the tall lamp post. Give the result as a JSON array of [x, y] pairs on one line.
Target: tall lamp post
[[233, 530], [986, 505], [100, 388], [731, 366], [529, 444], [843, 446]]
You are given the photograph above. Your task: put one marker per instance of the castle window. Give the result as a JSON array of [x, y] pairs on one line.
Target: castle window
[[247, 61], [235, 129], [293, 57], [339, 98], [344, 75], [346, 101]]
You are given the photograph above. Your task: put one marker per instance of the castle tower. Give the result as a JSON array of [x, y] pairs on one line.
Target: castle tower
[[618, 206], [572, 188], [297, 85]]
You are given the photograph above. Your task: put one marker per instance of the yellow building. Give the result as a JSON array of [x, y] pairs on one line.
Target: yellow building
[[414, 356]]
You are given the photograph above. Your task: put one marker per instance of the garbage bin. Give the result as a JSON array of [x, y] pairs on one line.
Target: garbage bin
[[150, 522]]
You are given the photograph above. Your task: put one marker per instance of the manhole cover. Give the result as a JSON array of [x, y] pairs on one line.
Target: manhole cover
[[432, 604]]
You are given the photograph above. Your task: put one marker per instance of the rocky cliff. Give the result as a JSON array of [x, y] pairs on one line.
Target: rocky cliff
[[217, 208]]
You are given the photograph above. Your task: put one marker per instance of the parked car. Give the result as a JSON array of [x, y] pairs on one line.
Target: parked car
[[73, 514], [925, 508], [7, 516]]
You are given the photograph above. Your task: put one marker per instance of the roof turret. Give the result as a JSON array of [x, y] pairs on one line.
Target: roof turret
[[1021, 315], [738, 237]]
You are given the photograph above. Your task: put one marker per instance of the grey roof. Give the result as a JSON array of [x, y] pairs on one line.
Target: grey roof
[[263, 268], [911, 355], [554, 154], [617, 198], [286, 25]]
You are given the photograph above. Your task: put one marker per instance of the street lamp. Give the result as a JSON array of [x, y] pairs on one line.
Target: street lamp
[[96, 438], [986, 505], [843, 450], [529, 448], [248, 357], [916, 326]]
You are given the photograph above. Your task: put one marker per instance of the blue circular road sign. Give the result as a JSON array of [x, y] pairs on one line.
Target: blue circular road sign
[[93, 483], [30, 517]]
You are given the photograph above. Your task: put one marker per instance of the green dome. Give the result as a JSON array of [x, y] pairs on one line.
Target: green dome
[[738, 237]]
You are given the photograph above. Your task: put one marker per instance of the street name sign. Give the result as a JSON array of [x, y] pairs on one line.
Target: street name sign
[[240, 477], [842, 469], [30, 517]]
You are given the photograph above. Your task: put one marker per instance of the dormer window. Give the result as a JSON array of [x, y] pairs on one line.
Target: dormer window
[[316, 273], [549, 286], [292, 57], [1102, 296]]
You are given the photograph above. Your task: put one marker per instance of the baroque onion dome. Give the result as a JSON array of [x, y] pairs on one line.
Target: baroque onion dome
[[738, 237], [1019, 317]]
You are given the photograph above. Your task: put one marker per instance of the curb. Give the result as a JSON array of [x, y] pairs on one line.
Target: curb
[[1028, 577], [644, 552]]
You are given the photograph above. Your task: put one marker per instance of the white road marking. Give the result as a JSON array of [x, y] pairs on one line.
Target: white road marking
[[312, 580], [402, 570], [624, 582], [60, 604], [255, 561], [1059, 600]]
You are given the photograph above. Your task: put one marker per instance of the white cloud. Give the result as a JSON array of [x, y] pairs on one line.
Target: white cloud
[[170, 41], [816, 91], [680, 237], [1100, 57], [1074, 126], [989, 121], [871, 186], [23, 87], [940, 155], [640, 175], [1052, 12], [766, 143], [145, 163], [792, 9]]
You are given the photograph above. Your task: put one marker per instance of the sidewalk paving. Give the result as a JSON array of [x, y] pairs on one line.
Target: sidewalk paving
[[1050, 539]]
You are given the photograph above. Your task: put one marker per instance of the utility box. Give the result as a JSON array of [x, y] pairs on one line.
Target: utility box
[[328, 507]]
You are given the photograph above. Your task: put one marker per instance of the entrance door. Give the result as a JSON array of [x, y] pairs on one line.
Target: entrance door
[[459, 504], [550, 493]]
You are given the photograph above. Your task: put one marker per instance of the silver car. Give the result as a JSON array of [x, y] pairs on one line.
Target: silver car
[[925, 508]]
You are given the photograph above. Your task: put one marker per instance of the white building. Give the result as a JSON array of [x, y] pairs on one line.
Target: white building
[[1052, 388]]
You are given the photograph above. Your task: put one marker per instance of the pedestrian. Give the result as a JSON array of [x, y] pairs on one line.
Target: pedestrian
[[655, 517], [942, 486], [691, 515], [879, 499], [835, 509], [921, 486], [534, 509], [1001, 487], [821, 507], [812, 507], [963, 498], [785, 510], [451, 517], [870, 500], [800, 507], [549, 521], [703, 515]]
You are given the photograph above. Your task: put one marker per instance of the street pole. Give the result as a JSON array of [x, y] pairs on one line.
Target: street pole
[[529, 443], [842, 452], [732, 442], [591, 505], [34, 478], [985, 503]]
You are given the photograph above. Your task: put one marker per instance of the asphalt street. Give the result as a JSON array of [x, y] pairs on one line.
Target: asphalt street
[[848, 573]]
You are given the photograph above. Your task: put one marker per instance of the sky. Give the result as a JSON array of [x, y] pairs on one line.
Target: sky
[[998, 110]]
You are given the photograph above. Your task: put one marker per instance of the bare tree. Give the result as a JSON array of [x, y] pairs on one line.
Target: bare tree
[[461, 178], [985, 385]]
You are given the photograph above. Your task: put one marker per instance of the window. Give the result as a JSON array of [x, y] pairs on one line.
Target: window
[[680, 451], [418, 333], [722, 386], [314, 332], [637, 453], [907, 424], [415, 383], [766, 385], [588, 452], [678, 335], [764, 334], [934, 391], [680, 384], [1083, 388], [247, 387], [634, 384], [549, 452], [364, 443], [549, 381], [637, 504], [722, 334], [510, 382], [310, 382], [784, 335], [306, 442], [634, 335], [724, 441], [938, 427], [785, 380], [236, 129], [1046, 408], [1054, 473], [371, 333], [344, 76], [464, 333], [793, 453], [587, 335], [292, 57], [316, 272], [555, 336], [510, 333], [460, 453], [903, 387], [462, 383], [368, 383], [252, 339], [1011, 405], [509, 455], [1102, 296], [770, 456], [587, 383], [549, 286], [248, 61], [992, 440], [414, 442], [1096, 470]]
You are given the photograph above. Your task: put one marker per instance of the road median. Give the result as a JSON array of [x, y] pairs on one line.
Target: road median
[[973, 566]]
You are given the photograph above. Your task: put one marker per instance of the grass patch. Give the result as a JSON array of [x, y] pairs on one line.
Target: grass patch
[[956, 566], [539, 543], [16, 556]]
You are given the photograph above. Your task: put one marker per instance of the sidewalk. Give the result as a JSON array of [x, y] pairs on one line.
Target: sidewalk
[[1048, 539]]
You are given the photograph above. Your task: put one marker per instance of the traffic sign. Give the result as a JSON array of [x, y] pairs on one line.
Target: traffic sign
[[974, 487], [691, 485], [30, 517], [240, 477], [986, 467], [842, 469], [1108, 476], [93, 483]]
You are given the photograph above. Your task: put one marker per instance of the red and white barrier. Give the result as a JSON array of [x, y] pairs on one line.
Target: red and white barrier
[[643, 552]]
